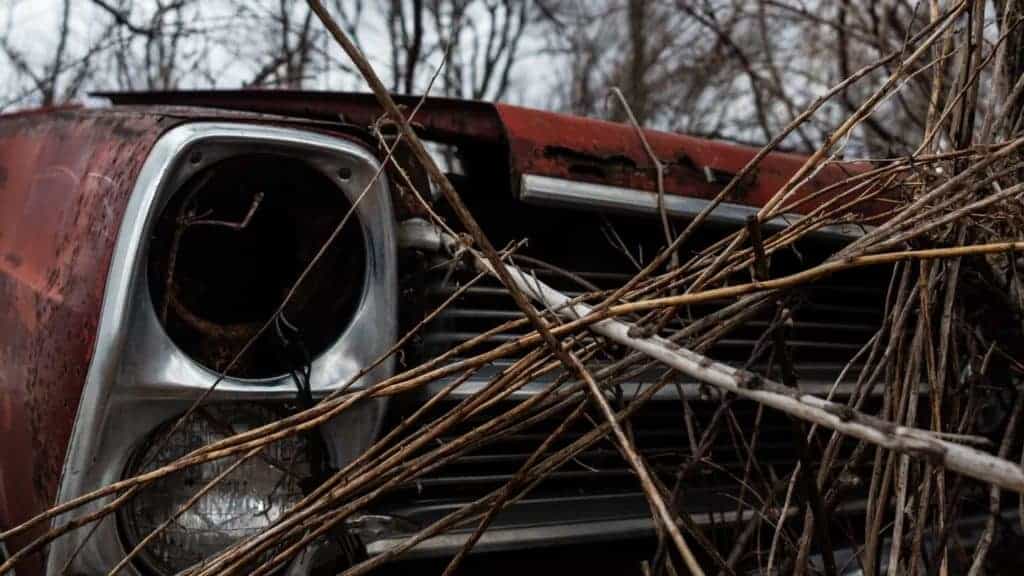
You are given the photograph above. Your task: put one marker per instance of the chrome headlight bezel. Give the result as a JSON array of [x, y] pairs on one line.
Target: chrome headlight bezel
[[136, 370]]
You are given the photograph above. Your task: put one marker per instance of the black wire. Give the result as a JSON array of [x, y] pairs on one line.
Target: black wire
[[297, 354]]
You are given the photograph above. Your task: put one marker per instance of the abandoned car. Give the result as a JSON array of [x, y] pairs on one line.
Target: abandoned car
[[144, 242]]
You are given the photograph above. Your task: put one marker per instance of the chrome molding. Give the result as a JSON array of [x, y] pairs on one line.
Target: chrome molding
[[419, 234], [138, 378], [522, 538], [555, 528], [547, 191]]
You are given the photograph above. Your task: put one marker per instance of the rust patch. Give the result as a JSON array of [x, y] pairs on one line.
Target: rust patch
[[66, 176], [575, 148]]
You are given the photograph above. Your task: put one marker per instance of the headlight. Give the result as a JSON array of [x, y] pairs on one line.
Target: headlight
[[244, 503], [197, 272]]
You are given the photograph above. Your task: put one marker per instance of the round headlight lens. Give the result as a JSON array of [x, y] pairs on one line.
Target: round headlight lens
[[244, 503]]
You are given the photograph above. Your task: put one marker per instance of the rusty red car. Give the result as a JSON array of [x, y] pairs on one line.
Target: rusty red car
[[142, 242]]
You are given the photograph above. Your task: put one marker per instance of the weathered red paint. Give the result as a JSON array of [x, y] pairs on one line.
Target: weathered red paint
[[65, 177], [549, 144], [589, 150]]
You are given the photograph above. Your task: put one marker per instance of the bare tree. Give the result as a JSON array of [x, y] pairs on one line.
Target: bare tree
[[743, 70], [45, 77], [482, 39], [674, 63], [157, 45]]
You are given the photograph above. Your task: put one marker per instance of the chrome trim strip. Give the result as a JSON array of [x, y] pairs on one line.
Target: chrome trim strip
[[526, 536], [137, 371], [630, 389], [523, 537], [547, 191]]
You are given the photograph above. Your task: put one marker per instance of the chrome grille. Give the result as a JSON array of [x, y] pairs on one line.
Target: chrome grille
[[832, 321], [598, 486]]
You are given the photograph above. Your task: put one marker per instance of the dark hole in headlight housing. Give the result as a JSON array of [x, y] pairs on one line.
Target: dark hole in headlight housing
[[229, 246], [244, 503]]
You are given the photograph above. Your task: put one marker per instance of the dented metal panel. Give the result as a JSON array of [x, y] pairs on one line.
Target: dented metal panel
[[64, 180]]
